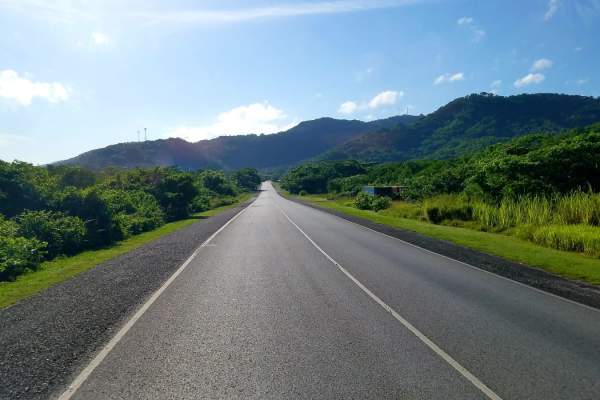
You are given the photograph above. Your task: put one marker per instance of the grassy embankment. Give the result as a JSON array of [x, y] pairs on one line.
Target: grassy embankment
[[407, 216], [60, 269]]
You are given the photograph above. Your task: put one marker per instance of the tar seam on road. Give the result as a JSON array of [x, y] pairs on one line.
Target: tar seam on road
[[82, 377], [436, 349], [461, 262]]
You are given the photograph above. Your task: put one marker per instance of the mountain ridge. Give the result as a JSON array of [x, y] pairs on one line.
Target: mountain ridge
[[461, 126]]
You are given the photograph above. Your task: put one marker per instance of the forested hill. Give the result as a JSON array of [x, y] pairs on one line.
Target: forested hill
[[304, 141], [462, 126], [471, 123]]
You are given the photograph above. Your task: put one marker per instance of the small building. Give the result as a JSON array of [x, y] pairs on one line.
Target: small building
[[389, 191]]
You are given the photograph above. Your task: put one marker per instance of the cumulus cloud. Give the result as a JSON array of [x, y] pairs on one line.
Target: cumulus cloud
[[542, 64], [348, 107], [530, 79], [386, 98], [449, 78], [253, 118], [99, 38], [23, 90], [551, 9]]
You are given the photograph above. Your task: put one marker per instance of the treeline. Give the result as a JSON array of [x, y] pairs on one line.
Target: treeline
[[536, 164], [61, 210]]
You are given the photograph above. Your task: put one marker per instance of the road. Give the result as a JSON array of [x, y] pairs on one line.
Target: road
[[289, 302]]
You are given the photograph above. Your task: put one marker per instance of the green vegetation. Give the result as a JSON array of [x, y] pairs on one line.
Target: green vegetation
[[63, 268], [540, 188], [49, 211]]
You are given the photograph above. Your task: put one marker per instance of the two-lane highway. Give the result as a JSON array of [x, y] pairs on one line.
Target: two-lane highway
[[290, 302]]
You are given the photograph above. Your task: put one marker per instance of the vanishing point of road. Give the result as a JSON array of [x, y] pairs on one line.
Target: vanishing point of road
[[286, 301]]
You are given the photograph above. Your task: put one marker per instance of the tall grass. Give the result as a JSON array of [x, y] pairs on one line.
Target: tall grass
[[571, 209], [568, 222]]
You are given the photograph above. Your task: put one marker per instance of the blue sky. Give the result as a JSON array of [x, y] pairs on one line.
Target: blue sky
[[77, 75]]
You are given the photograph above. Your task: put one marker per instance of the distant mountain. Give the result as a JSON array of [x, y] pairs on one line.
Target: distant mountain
[[464, 125], [306, 140], [470, 123]]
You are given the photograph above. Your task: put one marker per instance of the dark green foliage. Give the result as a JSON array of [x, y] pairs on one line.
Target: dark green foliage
[[57, 210], [314, 177], [18, 254], [365, 201], [63, 234], [380, 203], [247, 178], [534, 164]]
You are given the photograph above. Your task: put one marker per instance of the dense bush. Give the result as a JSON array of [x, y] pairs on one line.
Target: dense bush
[[365, 201], [62, 233], [61, 209], [19, 254], [314, 177]]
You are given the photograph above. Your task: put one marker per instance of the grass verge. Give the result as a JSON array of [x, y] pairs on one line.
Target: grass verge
[[566, 264], [60, 269]]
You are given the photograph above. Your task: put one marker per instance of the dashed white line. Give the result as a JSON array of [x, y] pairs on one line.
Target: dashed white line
[[435, 348], [82, 377]]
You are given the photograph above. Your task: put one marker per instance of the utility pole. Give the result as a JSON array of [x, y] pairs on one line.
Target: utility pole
[[145, 134], [138, 132]]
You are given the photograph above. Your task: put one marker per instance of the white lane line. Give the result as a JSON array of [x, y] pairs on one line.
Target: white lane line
[[450, 258], [436, 349], [81, 378]]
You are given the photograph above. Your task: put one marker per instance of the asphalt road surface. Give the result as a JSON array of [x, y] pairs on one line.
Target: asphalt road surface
[[289, 302]]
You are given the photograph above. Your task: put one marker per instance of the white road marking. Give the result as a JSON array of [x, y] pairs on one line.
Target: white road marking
[[81, 378], [436, 349], [453, 259]]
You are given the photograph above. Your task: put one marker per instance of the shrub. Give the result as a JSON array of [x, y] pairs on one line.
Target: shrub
[[380, 203], [303, 193], [363, 201], [18, 255], [63, 234]]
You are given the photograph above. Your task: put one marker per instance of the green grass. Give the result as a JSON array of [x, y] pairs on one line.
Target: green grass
[[60, 269], [568, 265]]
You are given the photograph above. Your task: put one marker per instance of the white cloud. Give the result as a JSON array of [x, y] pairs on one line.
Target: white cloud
[[348, 107], [386, 98], [465, 21], [23, 90], [448, 78], [530, 79], [253, 118], [551, 9], [578, 49], [496, 84], [582, 81], [68, 11], [99, 38], [542, 64]]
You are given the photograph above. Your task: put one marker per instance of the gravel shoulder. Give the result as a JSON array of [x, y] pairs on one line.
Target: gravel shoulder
[[573, 290], [47, 338]]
